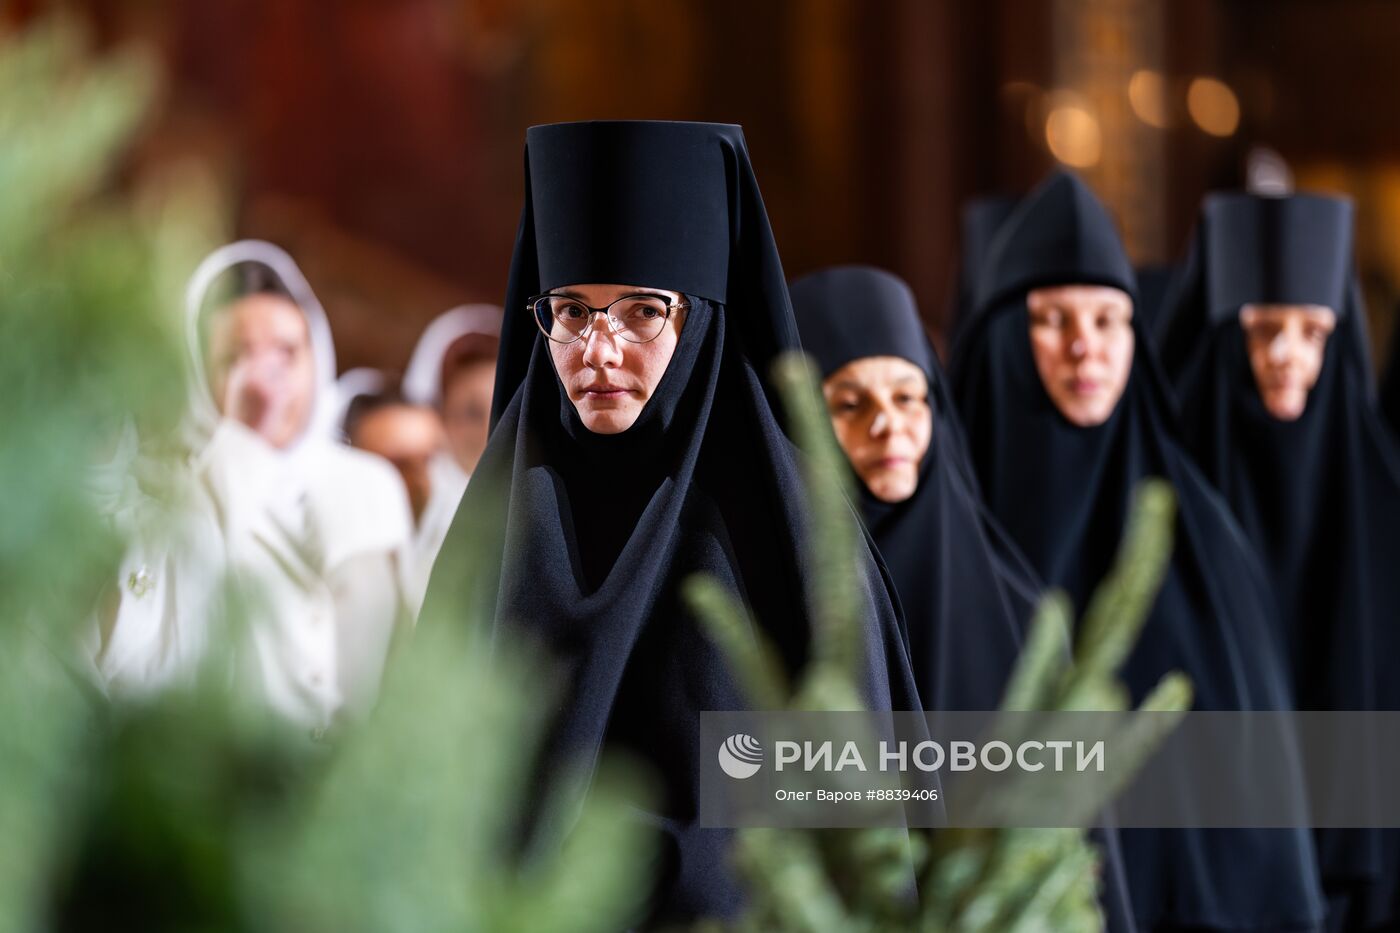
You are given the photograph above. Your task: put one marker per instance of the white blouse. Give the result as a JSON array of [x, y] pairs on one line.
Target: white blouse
[[448, 484], [315, 541]]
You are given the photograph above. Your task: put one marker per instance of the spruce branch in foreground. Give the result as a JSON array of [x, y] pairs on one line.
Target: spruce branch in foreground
[[967, 879]]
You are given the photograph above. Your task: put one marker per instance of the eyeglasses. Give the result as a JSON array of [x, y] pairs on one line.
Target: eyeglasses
[[634, 318]]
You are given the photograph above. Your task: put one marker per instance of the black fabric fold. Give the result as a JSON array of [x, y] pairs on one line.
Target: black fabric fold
[[1390, 380]]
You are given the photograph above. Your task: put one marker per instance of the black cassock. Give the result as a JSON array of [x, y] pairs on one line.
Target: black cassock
[[1319, 496], [966, 591], [1063, 491], [600, 532]]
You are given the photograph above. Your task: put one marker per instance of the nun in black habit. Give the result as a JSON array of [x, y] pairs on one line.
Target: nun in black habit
[[677, 467], [1265, 343], [1059, 441], [967, 594]]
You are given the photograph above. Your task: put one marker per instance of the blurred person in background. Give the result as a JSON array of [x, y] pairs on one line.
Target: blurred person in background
[[453, 369], [452, 372], [468, 382], [410, 437], [1067, 412], [316, 531], [1266, 344], [353, 385], [151, 628]]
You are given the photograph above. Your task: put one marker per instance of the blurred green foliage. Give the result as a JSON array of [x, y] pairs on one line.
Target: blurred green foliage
[[195, 810], [67, 260], [967, 879]]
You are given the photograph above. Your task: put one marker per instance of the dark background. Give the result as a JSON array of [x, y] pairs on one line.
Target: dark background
[[381, 140]]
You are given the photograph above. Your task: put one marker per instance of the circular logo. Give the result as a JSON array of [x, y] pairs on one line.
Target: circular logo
[[741, 756]]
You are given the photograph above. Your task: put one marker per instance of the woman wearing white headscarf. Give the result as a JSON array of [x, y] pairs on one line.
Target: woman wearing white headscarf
[[319, 530], [452, 370]]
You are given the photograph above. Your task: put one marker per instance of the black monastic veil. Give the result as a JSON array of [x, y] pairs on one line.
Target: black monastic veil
[[1063, 491], [966, 593], [600, 532], [1320, 496]]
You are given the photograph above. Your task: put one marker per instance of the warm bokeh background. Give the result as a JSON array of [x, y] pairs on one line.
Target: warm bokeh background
[[381, 141]]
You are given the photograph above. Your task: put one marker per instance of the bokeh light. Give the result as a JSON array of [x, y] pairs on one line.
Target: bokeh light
[[1147, 93], [1213, 106], [1073, 135]]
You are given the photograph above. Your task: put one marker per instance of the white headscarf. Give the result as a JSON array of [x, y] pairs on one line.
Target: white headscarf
[[294, 517], [316, 460], [422, 380], [362, 380], [204, 409], [422, 385]]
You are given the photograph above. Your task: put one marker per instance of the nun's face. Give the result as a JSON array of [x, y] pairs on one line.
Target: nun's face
[[262, 371], [1286, 344], [609, 379], [880, 411], [1082, 340]]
